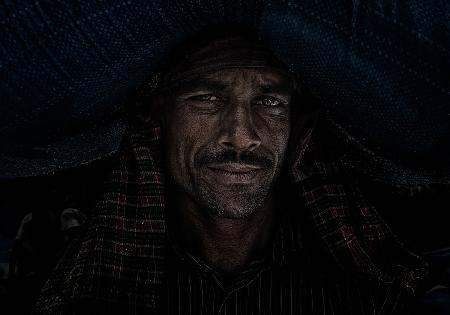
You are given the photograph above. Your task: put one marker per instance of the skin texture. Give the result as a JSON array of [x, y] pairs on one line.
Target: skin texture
[[225, 137]]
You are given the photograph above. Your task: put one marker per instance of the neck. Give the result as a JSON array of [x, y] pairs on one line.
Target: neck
[[227, 245]]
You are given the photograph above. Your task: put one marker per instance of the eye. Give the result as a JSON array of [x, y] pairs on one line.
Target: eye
[[204, 97], [270, 101], [205, 102]]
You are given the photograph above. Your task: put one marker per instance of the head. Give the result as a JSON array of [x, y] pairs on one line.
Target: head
[[226, 122]]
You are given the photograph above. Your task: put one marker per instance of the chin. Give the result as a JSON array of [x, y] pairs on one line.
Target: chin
[[233, 207]]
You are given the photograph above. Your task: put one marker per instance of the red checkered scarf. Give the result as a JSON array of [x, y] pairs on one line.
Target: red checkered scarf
[[117, 263]]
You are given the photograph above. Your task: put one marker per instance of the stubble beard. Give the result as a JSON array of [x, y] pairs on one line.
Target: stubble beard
[[235, 202]]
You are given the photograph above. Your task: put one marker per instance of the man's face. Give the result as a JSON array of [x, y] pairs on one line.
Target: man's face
[[226, 134]]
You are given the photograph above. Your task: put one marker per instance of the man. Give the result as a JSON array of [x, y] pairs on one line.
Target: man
[[254, 216]]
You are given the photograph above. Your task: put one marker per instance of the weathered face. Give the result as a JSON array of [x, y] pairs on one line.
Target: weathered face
[[226, 134]]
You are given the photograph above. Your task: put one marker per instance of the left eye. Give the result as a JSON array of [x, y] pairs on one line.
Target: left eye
[[204, 97], [269, 102]]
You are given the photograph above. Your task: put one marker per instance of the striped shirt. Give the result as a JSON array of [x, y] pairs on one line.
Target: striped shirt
[[285, 282]]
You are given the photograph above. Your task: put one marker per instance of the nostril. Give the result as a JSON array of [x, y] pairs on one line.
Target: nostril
[[226, 144], [254, 145], [239, 139]]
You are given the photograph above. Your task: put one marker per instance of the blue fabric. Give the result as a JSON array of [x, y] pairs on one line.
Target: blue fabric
[[380, 68]]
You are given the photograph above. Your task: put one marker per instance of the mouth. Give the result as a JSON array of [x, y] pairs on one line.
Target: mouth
[[235, 173]]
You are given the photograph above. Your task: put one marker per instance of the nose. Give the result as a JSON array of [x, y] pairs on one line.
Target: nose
[[238, 132]]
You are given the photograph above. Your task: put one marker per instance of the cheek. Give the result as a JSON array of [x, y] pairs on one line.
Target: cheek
[[279, 143], [276, 135], [186, 135]]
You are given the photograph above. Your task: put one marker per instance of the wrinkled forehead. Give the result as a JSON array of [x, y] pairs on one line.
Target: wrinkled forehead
[[223, 53], [263, 80]]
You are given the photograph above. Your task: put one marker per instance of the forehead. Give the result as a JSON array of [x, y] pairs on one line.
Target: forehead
[[223, 79], [263, 75]]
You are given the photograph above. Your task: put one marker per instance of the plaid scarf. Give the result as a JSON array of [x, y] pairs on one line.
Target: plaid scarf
[[117, 262]]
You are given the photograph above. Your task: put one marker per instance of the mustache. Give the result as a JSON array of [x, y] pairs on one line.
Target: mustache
[[231, 156]]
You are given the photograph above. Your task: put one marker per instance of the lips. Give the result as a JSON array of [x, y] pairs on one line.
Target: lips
[[235, 173]]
